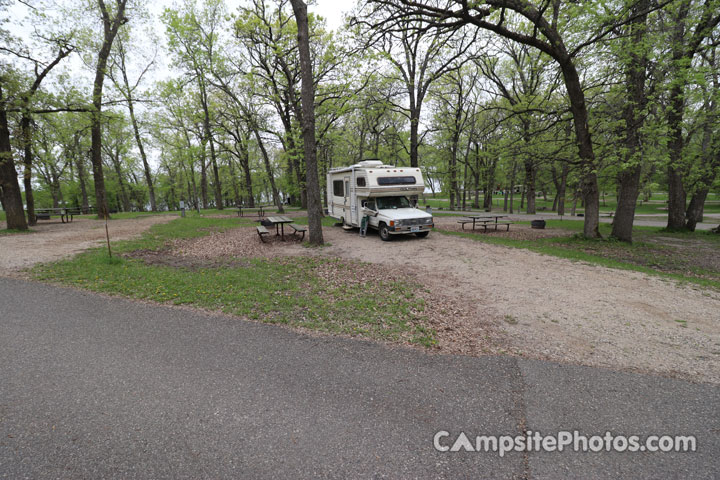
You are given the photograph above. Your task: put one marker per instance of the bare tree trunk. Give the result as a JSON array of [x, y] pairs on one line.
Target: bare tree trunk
[[143, 156], [512, 184], [414, 137], [219, 204], [26, 132], [136, 130], [9, 186], [562, 189], [464, 195], [476, 177], [124, 198], [203, 180], [268, 169], [629, 178], [79, 164], [236, 190], [248, 184], [315, 213], [110, 29], [530, 173]]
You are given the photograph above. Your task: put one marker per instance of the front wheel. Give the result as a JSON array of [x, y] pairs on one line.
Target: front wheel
[[422, 234], [384, 233]]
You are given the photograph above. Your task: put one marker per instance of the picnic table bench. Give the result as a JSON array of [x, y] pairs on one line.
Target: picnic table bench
[[298, 228], [261, 230]]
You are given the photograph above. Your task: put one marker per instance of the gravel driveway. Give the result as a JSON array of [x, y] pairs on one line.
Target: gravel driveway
[[552, 308], [54, 240]]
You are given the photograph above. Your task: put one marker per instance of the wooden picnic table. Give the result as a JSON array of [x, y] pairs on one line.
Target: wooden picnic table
[[66, 214], [485, 221], [280, 221], [260, 210]]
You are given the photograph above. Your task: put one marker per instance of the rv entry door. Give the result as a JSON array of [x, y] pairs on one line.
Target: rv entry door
[[347, 215]]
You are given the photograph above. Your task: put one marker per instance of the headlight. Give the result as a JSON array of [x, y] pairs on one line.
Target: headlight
[[428, 221]]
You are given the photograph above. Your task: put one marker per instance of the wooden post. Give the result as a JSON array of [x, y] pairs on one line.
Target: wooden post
[[107, 236]]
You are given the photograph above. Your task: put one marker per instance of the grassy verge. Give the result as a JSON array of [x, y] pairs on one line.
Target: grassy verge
[[293, 291], [650, 253]]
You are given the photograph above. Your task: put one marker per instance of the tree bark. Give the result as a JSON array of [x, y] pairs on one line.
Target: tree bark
[[562, 189], [143, 156], [9, 186], [208, 140], [315, 213], [79, 164], [589, 183], [26, 132], [512, 184], [124, 198], [530, 174], [136, 131], [684, 46], [110, 29], [629, 178], [203, 179], [235, 188], [268, 169], [414, 126], [245, 164]]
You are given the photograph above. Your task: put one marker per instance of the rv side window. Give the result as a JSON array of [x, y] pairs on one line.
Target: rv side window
[[396, 180], [338, 188], [361, 181]]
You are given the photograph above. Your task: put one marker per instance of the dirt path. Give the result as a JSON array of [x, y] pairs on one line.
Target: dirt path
[[54, 240], [557, 309]]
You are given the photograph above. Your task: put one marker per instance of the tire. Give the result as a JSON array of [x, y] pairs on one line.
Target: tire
[[384, 232], [422, 234]]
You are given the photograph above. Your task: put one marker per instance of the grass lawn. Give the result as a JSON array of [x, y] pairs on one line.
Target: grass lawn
[[686, 257], [289, 290]]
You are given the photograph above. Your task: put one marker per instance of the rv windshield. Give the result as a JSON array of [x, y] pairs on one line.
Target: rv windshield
[[392, 202]]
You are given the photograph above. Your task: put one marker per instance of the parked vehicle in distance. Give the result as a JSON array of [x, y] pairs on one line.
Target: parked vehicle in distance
[[380, 193]]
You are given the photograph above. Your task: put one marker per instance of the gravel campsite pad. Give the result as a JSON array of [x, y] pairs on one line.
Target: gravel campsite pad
[[552, 308], [54, 240]]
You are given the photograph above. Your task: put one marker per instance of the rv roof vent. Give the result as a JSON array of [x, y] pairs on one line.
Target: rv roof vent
[[370, 163]]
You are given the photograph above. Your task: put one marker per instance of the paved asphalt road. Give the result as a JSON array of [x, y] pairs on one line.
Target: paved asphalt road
[[92, 387]]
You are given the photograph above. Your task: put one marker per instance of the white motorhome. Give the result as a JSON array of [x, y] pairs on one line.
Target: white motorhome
[[381, 193]]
